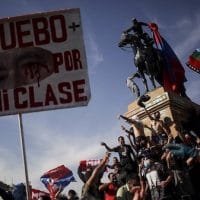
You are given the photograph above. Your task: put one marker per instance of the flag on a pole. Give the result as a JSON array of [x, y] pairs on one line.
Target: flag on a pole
[[194, 61], [57, 179], [174, 73]]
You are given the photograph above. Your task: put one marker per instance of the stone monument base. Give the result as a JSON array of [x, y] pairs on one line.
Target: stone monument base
[[169, 104]]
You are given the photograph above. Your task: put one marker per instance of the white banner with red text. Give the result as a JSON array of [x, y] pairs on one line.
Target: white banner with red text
[[43, 62]]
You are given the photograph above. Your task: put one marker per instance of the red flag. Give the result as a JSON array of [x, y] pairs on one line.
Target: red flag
[[174, 73], [85, 163], [38, 193]]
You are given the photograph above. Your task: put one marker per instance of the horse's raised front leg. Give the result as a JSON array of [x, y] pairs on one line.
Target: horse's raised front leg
[[131, 84]]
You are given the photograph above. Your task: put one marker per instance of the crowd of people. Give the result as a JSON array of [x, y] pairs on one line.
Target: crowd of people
[[163, 165]]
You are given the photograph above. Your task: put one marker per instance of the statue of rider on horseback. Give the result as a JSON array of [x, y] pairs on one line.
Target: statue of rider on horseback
[[159, 65]]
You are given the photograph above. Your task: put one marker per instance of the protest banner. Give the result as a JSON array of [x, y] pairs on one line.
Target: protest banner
[[42, 62]]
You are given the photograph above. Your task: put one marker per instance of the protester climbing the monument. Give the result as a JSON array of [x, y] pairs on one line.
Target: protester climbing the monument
[[159, 130], [138, 129], [126, 155]]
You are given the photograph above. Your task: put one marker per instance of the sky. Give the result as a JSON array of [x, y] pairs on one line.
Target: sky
[[67, 136]]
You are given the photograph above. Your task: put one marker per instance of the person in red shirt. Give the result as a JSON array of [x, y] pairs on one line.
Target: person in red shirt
[[110, 188]]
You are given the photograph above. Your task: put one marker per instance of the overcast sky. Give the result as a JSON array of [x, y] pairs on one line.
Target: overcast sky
[[69, 135]]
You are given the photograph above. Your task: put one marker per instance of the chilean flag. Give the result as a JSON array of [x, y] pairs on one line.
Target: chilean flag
[[57, 179], [174, 73], [194, 61]]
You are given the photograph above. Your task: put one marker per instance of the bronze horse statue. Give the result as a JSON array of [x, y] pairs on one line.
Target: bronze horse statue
[[147, 59]]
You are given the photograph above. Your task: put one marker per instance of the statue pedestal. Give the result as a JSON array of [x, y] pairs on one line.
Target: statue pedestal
[[169, 104]]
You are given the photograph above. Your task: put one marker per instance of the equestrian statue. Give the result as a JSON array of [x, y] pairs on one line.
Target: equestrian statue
[[152, 57]]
